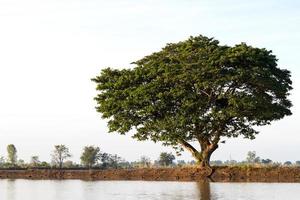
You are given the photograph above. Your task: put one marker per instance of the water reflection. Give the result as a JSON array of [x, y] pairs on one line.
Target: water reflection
[[204, 190], [150, 190], [11, 189]]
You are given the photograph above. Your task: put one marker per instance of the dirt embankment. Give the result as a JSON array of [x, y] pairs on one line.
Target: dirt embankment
[[220, 174]]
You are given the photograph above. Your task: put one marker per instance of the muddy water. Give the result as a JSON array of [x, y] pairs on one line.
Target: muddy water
[[137, 190]]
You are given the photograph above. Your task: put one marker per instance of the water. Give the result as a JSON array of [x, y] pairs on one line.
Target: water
[[143, 190]]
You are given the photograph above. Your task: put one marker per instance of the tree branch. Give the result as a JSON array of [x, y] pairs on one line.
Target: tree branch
[[188, 146]]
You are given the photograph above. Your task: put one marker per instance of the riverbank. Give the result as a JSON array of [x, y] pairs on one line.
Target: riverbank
[[220, 174]]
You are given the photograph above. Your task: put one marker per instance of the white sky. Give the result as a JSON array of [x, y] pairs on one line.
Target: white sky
[[50, 49]]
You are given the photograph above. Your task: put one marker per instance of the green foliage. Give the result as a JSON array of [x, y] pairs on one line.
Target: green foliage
[[21, 164], [195, 90], [112, 161], [35, 161], [2, 160], [166, 159], [90, 156], [11, 154], [44, 164], [60, 154]]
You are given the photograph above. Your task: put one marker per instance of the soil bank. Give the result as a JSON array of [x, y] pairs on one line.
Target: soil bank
[[220, 174]]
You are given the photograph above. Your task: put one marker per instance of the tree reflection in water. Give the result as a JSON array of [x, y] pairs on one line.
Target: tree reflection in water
[[204, 189], [11, 187]]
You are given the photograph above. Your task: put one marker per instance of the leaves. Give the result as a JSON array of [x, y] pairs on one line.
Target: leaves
[[195, 89], [90, 156], [60, 154]]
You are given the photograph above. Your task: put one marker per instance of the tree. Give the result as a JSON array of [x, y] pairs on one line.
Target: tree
[[266, 161], [195, 91], [230, 162], [60, 154], [2, 161], [166, 159], [217, 162], [252, 158], [21, 163], [181, 163], [12, 154], [145, 161], [44, 164], [288, 163], [35, 161], [110, 161], [105, 160], [192, 162], [69, 164], [90, 156]]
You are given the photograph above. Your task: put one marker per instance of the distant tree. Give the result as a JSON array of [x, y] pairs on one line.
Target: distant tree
[[252, 158], [123, 164], [195, 90], [276, 164], [90, 156], [251, 155], [192, 162], [34, 161], [114, 161], [12, 154], [44, 164], [111, 161], [145, 161], [166, 159], [257, 160], [21, 163], [2, 161], [288, 163], [216, 162], [266, 161], [69, 164], [230, 162], [181, 163], [60, 154], [105, 160], [297, 162]]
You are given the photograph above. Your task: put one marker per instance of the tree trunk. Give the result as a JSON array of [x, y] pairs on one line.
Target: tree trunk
[[204, 161], [207, 148], [203, 156]]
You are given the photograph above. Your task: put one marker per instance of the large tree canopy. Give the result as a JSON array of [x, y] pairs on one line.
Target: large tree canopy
[[195, 90]]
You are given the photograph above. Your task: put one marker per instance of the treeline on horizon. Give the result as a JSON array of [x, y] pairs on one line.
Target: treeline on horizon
[[92, 157]]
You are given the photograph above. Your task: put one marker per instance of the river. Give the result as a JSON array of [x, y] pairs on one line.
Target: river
[[144, 190]]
